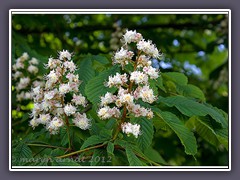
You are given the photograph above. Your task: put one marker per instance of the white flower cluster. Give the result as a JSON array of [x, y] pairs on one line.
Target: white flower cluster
[[50, 103], [146, 48], [132, 85], [129, 128], [24, 70]]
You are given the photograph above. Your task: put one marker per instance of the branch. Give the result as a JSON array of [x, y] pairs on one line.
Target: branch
[[80, 151], [47, 146]]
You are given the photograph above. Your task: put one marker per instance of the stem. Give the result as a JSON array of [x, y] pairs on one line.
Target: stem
[[69, 138], [80, 151], [66, 117], [125, 107], [47, 146], [122, 121]]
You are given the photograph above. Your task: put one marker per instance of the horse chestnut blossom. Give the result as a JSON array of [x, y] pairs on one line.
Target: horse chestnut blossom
[[24, 70], [51, 107], [133, 85], [129, 128]]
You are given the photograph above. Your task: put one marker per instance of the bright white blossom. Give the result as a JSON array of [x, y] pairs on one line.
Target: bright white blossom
[[122, 57], [64, 88], [52, 63], [82, 121], [106, 112], [69, 109], [54, 125], [139, 77], [107, 99], [146, 93], [44, 118], [131, 36], [126, 98], [52, 77], [144, 61], [117, 80], [79, 100], [64, 54], [148, 48], [69, 65], [50, 94], [34, 123], [129, 128], [152, 72]]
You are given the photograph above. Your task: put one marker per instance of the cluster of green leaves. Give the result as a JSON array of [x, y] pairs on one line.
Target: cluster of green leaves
[[180, 111]]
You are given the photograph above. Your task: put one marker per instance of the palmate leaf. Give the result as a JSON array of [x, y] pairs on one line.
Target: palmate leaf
[[85, 72], [132, 158], [209, 130], [21, 154], [176, 77], [153, 155], [186, 137], [93, 140], [110, 148], [190, 90], [159, 83], [100, 158], [181, 87], [132, 148], [145, 139], [95, 87], [191, 108]]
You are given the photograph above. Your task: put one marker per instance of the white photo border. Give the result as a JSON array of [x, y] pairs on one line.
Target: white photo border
[[120, 11]]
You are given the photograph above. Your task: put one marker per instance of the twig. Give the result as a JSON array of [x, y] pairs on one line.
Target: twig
[[47, 146], [80, 151]]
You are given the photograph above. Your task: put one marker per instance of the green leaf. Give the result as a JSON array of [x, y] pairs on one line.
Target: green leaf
[[153, 155], [21, 153], [80, 134], [100, 63], [64, 136], [209, 130], [146, 127], [111, 123], [125, 144], [176, 77], [152, 84], [86, 72], [191, 91], [159, 83], [132, 158], [56, 152], [92, 140], [99, 158], [110, 148], [191, 108], [95, 87], [186, 137]]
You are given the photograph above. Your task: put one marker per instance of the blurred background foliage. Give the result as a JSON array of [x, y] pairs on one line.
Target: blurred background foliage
[[196, 45]]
